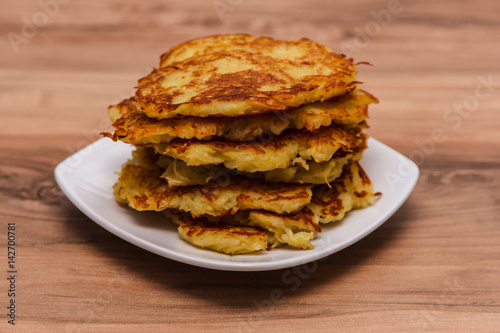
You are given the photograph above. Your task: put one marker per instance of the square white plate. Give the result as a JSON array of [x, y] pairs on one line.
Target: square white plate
[[87, 178]]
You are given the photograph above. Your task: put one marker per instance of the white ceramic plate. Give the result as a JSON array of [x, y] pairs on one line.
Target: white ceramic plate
[[87, 178]]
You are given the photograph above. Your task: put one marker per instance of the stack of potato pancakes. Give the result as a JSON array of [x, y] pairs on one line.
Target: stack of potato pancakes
[[247, 143]]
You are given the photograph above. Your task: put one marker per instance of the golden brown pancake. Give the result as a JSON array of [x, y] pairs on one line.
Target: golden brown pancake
[[140, 186], [352, 190], [296, 230], [178, 173], [295, 147], [132, 126], [257, 75], [224, 238]]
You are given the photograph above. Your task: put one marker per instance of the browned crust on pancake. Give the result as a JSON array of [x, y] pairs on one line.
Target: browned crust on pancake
[[200, 228], [132, 126], [249, 78], [304, 216], [278, 153], [141, 187], [329, 203]]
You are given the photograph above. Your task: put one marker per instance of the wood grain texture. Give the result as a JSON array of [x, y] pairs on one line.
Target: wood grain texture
[[434, 266]]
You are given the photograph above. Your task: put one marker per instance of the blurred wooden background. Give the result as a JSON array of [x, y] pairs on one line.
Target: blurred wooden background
[[434, 266]]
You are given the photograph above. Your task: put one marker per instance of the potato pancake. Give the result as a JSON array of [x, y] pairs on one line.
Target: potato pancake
[[234, 238], [293, 147], [352, 190], [257, 75], [140, 186], [223, 238], [178, 173], [132, 126]]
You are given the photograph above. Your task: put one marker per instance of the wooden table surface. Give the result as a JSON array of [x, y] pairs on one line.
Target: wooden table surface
[[433, 266]]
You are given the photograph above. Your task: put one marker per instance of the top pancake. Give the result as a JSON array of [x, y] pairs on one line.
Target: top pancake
[[231, 75]]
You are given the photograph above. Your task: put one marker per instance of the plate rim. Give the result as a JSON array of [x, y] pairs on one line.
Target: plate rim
[[228, 265]]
